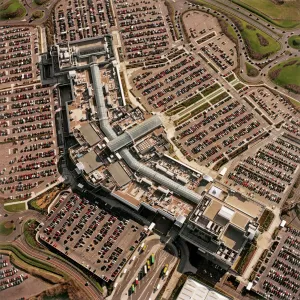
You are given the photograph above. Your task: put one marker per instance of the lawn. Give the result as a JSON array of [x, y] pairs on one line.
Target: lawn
[[284, 15], [251, 71], [6, 228], [294, 41], [287, 74], [29, 233], [183, 105], [11, 9], [15, 207], [210, 90], [259, 44]]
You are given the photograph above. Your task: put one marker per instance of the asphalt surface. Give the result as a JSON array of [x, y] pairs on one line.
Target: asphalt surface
[[17, 239], [147, 284]]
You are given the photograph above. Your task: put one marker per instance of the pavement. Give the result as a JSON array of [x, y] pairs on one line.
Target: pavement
[[17, 239], [146, 286]]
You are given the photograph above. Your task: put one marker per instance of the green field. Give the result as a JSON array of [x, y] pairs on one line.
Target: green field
[[259, 44], [294, 41], [6, 228], [287, 74], [285, 15], [15, 207], [251, 71], [11, 9]]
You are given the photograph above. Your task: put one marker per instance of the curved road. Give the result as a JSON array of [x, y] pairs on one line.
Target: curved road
[[17, 239]]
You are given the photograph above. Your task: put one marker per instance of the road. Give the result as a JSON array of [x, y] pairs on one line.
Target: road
[[146, 286], [280, 35], [17, 239]]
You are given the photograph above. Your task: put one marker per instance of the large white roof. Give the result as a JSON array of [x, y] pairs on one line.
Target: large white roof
[[194, 290]]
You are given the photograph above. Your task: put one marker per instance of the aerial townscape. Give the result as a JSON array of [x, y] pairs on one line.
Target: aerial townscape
[[149, 149]]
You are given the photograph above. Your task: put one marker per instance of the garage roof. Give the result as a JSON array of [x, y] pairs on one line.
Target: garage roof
[[194, 290]]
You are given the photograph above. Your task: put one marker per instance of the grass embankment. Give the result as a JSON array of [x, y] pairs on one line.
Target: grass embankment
[[42, 202], [287, 74], [31, 261], [265, 220], [258, 43], [245, 258], [29, 233], [11, 9], [294, 41], [40, 2], [184, 105], [281, 13], [15, 207], [6, 228], [251, 71]]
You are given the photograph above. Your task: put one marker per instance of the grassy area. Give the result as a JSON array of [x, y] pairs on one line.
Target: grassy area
[[6, 228], [191, 114], [284, 14], [259, 44], [245, 258], [15, 207], [266, 220], [11, 9], [219, 98], [184, 105], [294, 41], [30, 260], [210, 89], [287, 74], [230, 78], [238, 86], [29, 233], [40, 2], [251, 71]]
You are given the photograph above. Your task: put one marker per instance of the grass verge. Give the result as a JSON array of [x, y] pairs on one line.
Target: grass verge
[[210, 89], [287, 74], [29, 233], [285, 14], [6, 228], [294, 41], [251, 71], [12, 9], [15, 207]]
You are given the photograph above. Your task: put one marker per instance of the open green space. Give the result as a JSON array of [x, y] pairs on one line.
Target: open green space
[[183, 105], [219, 98], [40, 2], [259, 44], [62, 296], [238, 86], [210, 89], [6, 228], [29, 233], [11, 9], [294, 41], [283, 13], [15, 207], [287, 74], [251, 70], [230, 78]]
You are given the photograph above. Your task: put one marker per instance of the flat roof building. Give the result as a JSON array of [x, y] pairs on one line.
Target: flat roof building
[[194, 290], [119, 174], [134, 133], [89, 134], [90, 162]]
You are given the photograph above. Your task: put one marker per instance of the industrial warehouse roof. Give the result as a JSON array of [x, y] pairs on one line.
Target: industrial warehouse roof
[[194, 290], [89, 134], [134, 133], [90, 161], [118, 173]]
